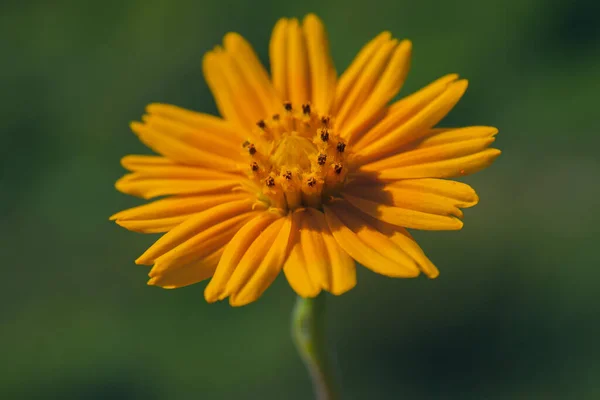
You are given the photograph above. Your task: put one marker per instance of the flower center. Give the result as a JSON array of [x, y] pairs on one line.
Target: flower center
[[296, 158], [293, 150]]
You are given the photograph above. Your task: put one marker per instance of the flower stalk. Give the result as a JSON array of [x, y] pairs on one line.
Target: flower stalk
[[309, 334]]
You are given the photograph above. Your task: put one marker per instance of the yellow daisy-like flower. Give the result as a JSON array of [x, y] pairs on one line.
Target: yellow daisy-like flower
[[304, 172]]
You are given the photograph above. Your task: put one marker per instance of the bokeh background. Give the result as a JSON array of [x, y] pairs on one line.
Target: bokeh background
[[514, 314]]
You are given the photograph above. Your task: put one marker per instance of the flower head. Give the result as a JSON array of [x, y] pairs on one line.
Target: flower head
[[305, 171]]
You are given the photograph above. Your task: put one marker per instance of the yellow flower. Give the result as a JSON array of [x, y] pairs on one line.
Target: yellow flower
[[306, 171]]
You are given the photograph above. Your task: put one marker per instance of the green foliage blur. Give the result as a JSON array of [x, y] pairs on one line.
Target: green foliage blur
[[514, 314]]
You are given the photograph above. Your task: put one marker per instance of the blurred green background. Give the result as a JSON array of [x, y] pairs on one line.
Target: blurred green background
[[514, 314]]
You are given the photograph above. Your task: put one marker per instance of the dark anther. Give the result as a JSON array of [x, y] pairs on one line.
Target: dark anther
[[311, 182], [261, 124], [306, 109], [270, 182], [254, 166], [341, 146], [321, 158], [324, 135], [287, 175], [337, 168], [275, 117], [288, 106], [251, 149], [325, 120]]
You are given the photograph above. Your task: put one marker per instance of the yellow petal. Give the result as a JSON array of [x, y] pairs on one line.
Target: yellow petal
[[186, 274], [180, 151], [228, 89], [298, 73], [403, 216], [364, 85], [424, 95], [200, 222], [428, 154], [158, 225], [279, 57], [209, 124], [350, 76], [202, 140], [340, 267], [403, 109], [215, 126], [322, 70], [262, 92], [234, 251], [449, 168], [410, 199], [436, 196], [414, 127], [147, 187], [245, 98], [440, 136], [314, 251], [295, 267], [203, 243], [387, 87], [180, 171], [367, 245], [254, 255], [176, 206], [268, 267], [136, 162], [406, 242], [461, 194]]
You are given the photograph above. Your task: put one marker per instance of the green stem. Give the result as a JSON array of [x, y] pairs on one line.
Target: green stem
[[308, 331]]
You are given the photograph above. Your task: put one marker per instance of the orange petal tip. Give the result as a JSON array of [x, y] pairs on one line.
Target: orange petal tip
[[433, 275], [461, 84], [231, 39], [237, 301], [312, 18], [385, 34], [141, 260], [407, 44], [136, 126], [210, 296]]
